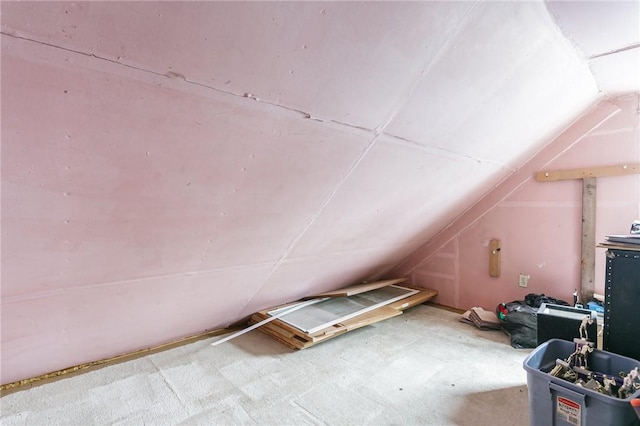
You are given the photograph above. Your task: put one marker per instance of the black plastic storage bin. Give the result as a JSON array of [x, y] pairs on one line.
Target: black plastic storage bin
[[554, 401]]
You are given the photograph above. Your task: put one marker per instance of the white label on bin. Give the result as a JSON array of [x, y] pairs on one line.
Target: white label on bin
[[568, 410]]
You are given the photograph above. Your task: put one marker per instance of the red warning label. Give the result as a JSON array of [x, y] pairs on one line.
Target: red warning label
[[568, 410]]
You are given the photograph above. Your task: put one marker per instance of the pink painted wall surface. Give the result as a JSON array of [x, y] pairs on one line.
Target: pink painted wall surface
[[539, 224], [171, 167]]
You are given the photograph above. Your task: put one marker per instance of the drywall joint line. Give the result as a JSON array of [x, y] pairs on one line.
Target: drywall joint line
[[315, 217], [614, 51], [67, 290], [377, 133], [174, 75], [441, 275], [426, 68], [539, 204], [352, 251], [93, 55], [455, 221], [440, 149], [456, 269], [618, 131]]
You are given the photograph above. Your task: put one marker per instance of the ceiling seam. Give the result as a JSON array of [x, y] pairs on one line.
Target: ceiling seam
[[172, 75], [426, 68], [438, 149], [558, 26], [614, 51]]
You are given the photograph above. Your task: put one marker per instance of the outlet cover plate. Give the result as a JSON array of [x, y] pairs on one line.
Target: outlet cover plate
[[524, 280]]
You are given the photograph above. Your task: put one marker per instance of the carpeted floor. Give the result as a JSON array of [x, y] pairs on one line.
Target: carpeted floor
[[423, 367]]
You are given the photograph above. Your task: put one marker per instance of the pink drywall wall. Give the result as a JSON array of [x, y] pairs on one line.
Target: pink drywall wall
[[171, 167], [539, 224]]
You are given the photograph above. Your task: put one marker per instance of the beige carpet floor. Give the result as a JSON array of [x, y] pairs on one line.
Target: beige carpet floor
[[421, 368]]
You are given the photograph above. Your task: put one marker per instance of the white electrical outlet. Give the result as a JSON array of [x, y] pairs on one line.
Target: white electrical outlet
[[524, 280]]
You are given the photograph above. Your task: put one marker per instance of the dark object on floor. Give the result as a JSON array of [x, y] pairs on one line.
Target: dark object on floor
[[518, 319], [519, 322]]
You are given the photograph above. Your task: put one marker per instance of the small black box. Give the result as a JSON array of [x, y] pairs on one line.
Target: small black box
[[563, 322]]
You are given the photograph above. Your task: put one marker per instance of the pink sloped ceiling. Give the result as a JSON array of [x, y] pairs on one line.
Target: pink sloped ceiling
[[171, 167], [538, 224]]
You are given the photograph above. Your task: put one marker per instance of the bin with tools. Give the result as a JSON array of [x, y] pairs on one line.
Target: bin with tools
[[573, 383]]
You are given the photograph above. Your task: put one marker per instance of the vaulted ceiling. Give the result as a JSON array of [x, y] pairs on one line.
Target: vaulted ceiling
[[202, 160]]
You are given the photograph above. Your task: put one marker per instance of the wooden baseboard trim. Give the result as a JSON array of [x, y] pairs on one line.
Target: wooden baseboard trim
[[446, 308], [25, 384]]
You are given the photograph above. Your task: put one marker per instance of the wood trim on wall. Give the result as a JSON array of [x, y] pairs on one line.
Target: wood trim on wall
[[588, 172]]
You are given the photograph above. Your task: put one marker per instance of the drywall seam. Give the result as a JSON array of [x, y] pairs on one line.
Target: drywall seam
[[558, 26], [435, 274], [293, 259], [313, 219], [614, 51], [499, 200], [66, 290], [456, 268], [433, 149], [177, 80], [426, 69], [603, 111], [611, 132], [540, 204], [617, 204], [441, 255], [379, 131], [251, 96], [500, 184], [172, 75]]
